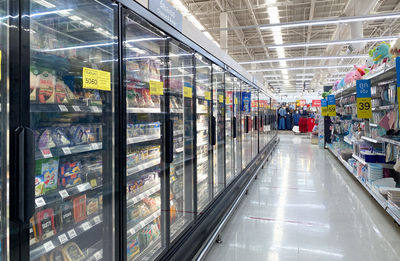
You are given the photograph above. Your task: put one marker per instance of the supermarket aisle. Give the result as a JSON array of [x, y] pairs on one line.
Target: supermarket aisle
[[304, 206]]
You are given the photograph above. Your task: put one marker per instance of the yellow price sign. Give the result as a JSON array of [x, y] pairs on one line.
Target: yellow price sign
[[221, 98], [96, 79], [208, 96], [364, 110], [324, 111], [331, 110], [236, 102], [227, 100], [156, 88], [187, 92]]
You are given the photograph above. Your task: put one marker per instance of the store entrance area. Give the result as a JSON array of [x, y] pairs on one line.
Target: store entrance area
[[304, 205]]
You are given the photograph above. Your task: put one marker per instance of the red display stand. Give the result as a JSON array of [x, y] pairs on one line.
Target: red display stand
[[311, 124], [303, 125]]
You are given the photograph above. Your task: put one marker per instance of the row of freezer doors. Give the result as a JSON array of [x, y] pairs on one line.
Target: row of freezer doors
[[187, 128]]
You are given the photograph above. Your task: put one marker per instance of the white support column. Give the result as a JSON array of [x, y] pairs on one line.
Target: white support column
[[223, 23]]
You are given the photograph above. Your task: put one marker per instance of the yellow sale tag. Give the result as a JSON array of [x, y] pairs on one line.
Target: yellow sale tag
[[324, 111], [331, 110], [227, 100], [156, 88], [187, 92], [221, 98], [208, 96], [96, 79], [235, 100], [364, 110]]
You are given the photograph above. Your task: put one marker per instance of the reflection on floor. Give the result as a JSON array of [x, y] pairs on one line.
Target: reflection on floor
[[305, 206]]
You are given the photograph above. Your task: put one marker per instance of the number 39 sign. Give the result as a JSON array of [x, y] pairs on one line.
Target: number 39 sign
[[364, 110]]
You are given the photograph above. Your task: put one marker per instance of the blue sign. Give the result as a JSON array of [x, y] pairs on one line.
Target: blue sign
[[166, 12], [324, 103], [331, 100], [398, 71], [363, 88], [246, 101]]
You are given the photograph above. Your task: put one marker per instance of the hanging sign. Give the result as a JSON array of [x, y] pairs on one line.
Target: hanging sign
[[156, 88], [187, 90], [316, 103], [96, 79], [207, 95], [364, 110], [331, 105], [324, 107], [166, 12], [221, 98], [302, 103]]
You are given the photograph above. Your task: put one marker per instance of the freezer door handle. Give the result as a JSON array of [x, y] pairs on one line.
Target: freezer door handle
[[234, 128], [255, 123], [213, 130], [25, 155], [170, 141], [247, 124]]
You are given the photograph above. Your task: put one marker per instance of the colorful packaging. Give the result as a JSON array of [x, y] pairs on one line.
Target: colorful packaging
[[46, 85], [46, 174], [58, 255], [92, 205], [33, 83], [45, 140], [70, 174], [133, 247], [79, 205], [33, 236], [46, 223], [59, 137], [60, 92]]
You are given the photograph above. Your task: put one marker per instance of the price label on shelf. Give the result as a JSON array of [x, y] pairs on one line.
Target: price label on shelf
[[156, 88], [71, 233], [207, 95], [86, 226], [62, 238], [236, 100], [40, 202], [187, 92], [48, 246], [364, 109], [95, 146], [76, 108], [97, 220], [63, 108], [46, 153], [64, 193], [96, 79], [98, 255], [81, 187], [66, 150]]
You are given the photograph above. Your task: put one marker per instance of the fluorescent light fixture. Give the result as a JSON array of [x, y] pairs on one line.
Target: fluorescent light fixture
[[332, 21], [307, 58], [49, 12], [349, 41], [44, 3], [86, 23], [305, 74], [75, 18], [303, 68]]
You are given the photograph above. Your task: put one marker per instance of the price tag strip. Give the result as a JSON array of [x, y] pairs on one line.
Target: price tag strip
[[46, 153], [63, 108], [86, 226], [98, 255], [48, 246], [76, 108], [40, 202], [63, 193], [364, 109], [62, 238], [66, 150], [72, 233]]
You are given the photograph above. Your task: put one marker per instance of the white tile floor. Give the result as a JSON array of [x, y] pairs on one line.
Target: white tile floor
[[305, 206]]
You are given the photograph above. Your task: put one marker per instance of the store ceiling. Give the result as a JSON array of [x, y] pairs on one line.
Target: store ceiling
[[245, 40]]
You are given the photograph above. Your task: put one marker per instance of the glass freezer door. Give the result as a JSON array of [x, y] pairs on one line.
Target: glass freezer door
[[245, 108], [72, 69], [218, 122], [203, 120], [237, 130], [229, 157], [181, 108], [255, 121], [144, 61]]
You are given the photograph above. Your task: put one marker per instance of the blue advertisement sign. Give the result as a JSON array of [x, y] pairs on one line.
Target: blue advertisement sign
[[363, 88], [398, 70], [246, 102], [324, 103], [331, 100], [166, 12]]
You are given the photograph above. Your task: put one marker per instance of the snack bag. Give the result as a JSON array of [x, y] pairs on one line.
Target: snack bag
[[60, 92], [46, 223], [46, 174], [45, 140], [70, 174], [47, 82]]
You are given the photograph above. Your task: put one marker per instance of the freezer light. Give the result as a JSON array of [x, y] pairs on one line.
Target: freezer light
[[307, 58], [303, 68], [333, 21], [44, 3], [49, 12]]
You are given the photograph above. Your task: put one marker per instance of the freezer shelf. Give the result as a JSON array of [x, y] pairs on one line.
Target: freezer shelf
[[64, 151], [65, 108], [143, 166]]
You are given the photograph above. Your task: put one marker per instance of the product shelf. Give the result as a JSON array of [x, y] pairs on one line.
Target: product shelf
[[348, 141], [67, 150], [145, 138], [60, 195], [143, 223], [370, 139], [143, 166], [202, 143], [373, 125], [64, 108], [143, 195], [386, 107], [359, 159], [387, 140], [143, 110], [64, 237]]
